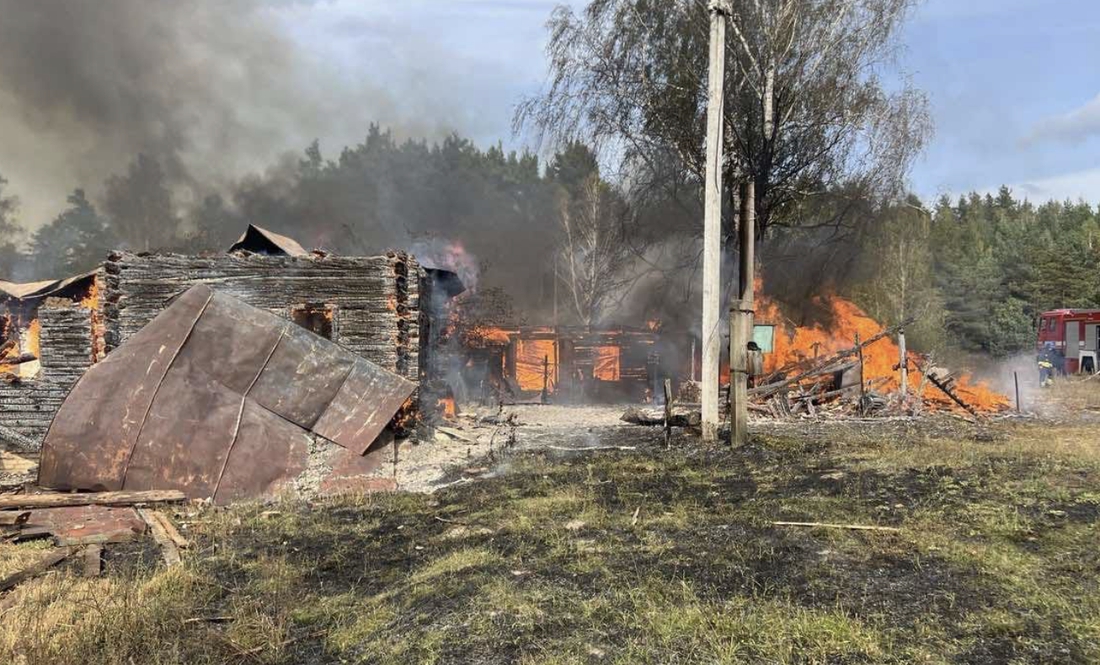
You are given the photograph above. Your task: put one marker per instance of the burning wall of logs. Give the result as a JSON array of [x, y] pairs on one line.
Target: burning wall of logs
[[49, 335], [558, 363]]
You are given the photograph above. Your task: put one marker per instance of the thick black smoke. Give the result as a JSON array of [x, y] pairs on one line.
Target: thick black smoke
[[211, 89]]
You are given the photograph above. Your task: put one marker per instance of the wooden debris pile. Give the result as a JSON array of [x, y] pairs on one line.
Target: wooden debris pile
[[83, 525], [832, 386]]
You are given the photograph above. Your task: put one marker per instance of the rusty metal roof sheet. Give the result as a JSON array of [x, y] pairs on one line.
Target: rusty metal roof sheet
[[216, 398], [23, 291], [261, 241]]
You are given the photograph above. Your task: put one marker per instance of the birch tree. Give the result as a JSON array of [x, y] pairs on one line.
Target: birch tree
[[807, 111], [594, 263]]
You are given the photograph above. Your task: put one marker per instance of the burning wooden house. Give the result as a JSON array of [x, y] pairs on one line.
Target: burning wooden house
[[62, 317], [561, 364], [52, 332]]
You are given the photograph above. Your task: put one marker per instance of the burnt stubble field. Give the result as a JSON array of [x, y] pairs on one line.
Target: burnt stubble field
[[650, 555]]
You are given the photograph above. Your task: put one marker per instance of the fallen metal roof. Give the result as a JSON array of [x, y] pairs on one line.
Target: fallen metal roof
[[26, 290], [259, 240], [448, 281], [217, 398]]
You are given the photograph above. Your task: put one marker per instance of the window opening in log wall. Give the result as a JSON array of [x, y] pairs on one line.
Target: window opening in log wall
[[314, 318]]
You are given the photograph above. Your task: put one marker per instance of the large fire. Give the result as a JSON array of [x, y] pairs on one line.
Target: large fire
[[847, 322], [536, 364]]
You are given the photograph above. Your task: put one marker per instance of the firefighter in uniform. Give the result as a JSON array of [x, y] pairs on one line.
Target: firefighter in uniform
[[1046, 365]]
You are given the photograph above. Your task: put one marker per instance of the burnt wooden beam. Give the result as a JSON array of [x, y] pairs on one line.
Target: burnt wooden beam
[[57, 499]]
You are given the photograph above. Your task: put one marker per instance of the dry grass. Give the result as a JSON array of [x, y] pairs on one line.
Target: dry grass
[[1073, 393], [648, 557]]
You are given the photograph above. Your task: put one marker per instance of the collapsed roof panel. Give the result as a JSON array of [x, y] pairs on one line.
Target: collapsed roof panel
[[93, 434], [259, 240], [365, 403], [216, 398], [447, 282], [28, 290]]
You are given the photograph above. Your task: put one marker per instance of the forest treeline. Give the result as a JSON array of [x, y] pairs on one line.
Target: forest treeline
[[973, 272], [976, 272], [500, 218]]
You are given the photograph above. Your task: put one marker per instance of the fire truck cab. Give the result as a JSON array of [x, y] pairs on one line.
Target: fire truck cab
[[1074, 335]]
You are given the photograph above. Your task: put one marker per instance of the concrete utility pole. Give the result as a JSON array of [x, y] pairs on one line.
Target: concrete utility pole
[[712, 220], [741, 315]]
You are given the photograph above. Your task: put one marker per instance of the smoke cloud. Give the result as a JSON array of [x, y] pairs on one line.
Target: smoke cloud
[[210, 89]]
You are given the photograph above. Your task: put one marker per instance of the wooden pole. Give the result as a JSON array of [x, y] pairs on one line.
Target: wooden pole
[[747, 237], [545, 376], [862, 389], [903, 363], [712, 221], [668, 412], [740, 334], [741, 319], [1016, 380]]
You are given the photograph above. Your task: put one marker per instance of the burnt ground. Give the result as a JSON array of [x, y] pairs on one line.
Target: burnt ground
[[649, 555]]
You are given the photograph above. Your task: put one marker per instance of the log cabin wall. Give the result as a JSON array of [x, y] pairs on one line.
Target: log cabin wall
[[374, 305], [68, 344], [374, 301]]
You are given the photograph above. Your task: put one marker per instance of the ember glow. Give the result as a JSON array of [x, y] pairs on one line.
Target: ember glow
[[30, 343], [793, 344], [447, 408], [606, 366]]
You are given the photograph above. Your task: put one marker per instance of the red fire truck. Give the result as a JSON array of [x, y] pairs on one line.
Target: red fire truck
[[1075, 335]]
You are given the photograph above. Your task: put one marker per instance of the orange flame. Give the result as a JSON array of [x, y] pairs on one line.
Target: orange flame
[[605, 366], [536, 364], [28, 342], [478, 336], [792, 344], [447, 407], [91, 298]]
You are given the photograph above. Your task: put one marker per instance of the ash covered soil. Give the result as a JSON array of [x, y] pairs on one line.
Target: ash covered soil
[[634, 554]]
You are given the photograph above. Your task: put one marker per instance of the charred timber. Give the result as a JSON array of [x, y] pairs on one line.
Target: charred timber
[[811, 365]]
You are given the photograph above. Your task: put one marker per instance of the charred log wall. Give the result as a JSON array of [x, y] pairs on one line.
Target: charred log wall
[[68, 345], [375, 304], [375, 300]]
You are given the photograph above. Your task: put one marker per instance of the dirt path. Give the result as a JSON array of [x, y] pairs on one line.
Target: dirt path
[[478, 443]]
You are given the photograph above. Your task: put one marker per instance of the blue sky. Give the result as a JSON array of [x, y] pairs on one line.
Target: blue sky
[[1014, 84], [1015, 93]]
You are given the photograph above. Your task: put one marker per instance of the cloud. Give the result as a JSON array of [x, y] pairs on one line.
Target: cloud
[[1077, 125], [1074, 186]]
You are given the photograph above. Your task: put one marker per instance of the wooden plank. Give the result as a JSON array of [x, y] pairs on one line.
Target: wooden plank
[[457, 434], [14, 517], [93, 560], [170, 529], [31, 533], [168, 549], [12, 463], [48, 559], [56, 499], [851, 527], [96, 538]]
